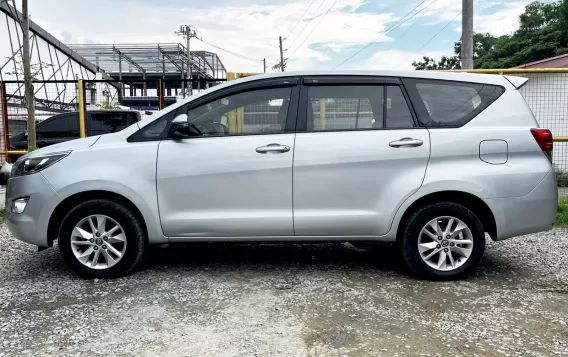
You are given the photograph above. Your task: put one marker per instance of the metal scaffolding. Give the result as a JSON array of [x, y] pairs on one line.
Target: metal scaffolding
[[143, 65], [151, 61], [51, 61]]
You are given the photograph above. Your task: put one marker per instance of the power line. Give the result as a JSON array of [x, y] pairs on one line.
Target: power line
[[300, 19], [392, 27], [231, 52], [437, 33], [410, 27], [442, 29], [307, 23], [313, 29]]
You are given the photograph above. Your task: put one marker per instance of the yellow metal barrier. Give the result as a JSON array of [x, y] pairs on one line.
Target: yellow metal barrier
[[231, 76], [322, 114], [14, 152], [82, 110], [511, 70], [241, 120], [243, 75]]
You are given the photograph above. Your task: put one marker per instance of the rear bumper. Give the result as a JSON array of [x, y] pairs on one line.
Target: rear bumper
[[535, 212], [31, 225]]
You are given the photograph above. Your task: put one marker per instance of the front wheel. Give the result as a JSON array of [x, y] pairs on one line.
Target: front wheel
[[101, 239], [443, 241]]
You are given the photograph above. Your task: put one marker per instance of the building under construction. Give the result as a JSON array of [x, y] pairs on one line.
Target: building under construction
[[134, 74], [142, 68]]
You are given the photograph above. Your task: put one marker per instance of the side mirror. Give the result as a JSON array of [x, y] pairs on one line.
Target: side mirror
[[180, 119], [179, 128], [5, 173]]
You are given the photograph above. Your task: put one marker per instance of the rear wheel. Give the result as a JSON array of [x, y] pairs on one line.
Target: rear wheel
[[101, 239], [443, 241]]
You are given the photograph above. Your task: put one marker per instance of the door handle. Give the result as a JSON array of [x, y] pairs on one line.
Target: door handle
[[276, 148], [405, 142]]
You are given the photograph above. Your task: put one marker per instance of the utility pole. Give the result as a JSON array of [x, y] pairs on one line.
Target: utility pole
[[281, 54], [467, 35], [28, 84], [264, 64], [188, 32]]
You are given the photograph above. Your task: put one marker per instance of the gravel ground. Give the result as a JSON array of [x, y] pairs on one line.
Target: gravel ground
[[287, 300]]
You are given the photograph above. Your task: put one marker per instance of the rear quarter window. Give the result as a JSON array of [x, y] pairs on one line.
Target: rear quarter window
[[440, 103], [104, 123]]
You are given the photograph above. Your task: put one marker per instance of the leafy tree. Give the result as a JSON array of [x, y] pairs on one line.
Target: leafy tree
[[108, 105], [429, 63], [482, 44], [542, 33]]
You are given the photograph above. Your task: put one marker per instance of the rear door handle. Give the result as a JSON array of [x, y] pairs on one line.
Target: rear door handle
[[405, 142], [275, 148]]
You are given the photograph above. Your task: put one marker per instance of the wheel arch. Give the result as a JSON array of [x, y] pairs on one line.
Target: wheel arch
[[475, 204], [68, 203]]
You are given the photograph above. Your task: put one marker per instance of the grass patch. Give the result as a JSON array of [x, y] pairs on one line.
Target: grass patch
[[561, 178], [562, 213], [2, 215]]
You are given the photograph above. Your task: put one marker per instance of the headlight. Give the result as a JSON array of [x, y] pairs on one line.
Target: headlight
[[29, 165]]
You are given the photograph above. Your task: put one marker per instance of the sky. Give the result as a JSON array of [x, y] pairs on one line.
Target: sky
[[318, 34]]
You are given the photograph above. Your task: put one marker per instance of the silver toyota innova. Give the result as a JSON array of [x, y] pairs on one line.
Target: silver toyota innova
[[428, 161]]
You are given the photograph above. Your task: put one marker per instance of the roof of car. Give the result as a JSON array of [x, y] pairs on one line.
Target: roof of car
[[456, 76]]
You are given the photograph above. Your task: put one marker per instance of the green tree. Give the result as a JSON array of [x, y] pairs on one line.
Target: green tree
[[542, 33], [482, 42], [108, 105]]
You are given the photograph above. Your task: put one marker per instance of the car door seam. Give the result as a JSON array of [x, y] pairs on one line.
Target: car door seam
[[156, 185]]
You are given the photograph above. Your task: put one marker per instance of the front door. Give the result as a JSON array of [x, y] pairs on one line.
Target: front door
[[358, 156], [233, 176]]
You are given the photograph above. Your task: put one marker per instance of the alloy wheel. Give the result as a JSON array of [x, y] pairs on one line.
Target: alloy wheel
[[445, 243], [98, 242]]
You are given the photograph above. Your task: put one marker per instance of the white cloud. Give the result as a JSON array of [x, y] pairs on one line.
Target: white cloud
[[248, 29], [504, 21], [486, 19], [396, 59]]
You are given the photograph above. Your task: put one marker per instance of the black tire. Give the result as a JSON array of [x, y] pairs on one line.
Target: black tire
[[133, 229], [410, 235]]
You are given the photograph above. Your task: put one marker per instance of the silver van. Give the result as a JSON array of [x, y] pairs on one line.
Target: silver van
[[428, 161]]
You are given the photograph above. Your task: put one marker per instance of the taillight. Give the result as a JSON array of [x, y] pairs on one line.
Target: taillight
[[543, 138]]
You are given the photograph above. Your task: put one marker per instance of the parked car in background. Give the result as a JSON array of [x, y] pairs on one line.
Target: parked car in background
[[428, 161], [63, 127]]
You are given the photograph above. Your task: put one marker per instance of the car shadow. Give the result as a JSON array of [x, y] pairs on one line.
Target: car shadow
[[275, 255], [378, 258]]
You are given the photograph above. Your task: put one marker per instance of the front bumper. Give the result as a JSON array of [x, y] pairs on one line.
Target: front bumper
[[31, 225], [535, 212]]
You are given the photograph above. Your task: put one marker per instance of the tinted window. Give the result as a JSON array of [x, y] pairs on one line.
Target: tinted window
[[357, 107], [17, 126], [61, 126], [104, 123], [254, 112], [344, 107], [398, 113], [447, 103], [132, 118]]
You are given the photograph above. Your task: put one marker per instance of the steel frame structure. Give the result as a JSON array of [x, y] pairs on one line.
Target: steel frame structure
[[62, 65], [141, 62]]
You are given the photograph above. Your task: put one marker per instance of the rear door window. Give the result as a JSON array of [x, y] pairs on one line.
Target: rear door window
[[345, 107], [356, 107], [398, 113], [441, 103], [105, 123]]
